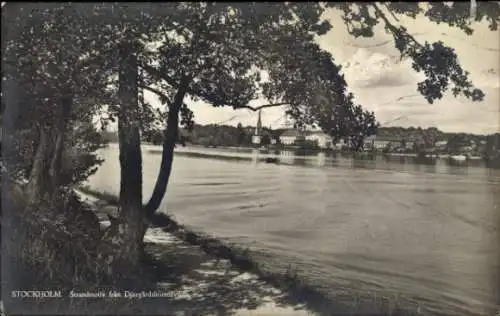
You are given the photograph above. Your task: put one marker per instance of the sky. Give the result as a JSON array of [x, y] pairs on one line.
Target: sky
[[378, 78]]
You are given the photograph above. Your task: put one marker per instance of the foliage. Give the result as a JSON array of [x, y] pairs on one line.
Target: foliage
[[228, 74], [220, 135], [46, 244], [53, 62], [265, 140], [457, 142], [81, 160], [240, 134], [438, 62]]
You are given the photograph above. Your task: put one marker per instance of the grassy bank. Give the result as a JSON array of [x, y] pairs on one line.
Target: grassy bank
[[297, 290], [57, 249]]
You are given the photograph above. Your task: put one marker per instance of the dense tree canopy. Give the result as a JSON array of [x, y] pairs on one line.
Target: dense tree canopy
[[60, 83]]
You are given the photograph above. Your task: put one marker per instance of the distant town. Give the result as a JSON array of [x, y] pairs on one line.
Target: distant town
[[430, 142]]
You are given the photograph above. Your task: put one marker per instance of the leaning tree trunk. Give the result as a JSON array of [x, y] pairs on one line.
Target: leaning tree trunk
[[38, 187], [127, 233], [44, 181], [55, 168], [171, 132], [167, 157]]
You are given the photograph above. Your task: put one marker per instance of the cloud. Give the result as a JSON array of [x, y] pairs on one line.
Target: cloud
[[389, 79], [488, 78]]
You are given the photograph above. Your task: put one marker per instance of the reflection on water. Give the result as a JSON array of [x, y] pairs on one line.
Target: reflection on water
[[495, 239], [367, 160], [321, 159], [371, 226]]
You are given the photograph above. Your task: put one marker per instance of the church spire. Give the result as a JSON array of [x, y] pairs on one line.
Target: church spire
[[259, 125], [258, 131]]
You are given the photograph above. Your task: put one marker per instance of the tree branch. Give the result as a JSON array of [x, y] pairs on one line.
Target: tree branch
[[260, 107], [394, 30], [157, 92], [384, 42], [175, 84], [91, 58], [392, 13], [158, 74]]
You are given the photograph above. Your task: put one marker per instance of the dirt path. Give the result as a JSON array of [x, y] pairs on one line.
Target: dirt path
[[198, 283]]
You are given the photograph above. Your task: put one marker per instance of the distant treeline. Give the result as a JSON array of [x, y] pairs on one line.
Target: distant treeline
[[209, 135], [430, 134], [228, 136], [456, 143]]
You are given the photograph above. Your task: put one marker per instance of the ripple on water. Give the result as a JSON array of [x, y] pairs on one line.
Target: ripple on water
[[215, 183]]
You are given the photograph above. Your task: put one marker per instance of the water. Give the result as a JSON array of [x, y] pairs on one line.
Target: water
[[426, 234]]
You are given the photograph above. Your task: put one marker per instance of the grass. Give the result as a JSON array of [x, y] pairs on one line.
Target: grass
[[109, 198], [57, 249], [297, 290]]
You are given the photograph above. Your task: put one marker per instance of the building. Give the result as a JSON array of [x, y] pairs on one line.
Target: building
[[290, 136], [441, 144], [409, 144], [382, 141], [257, 137], [323, 140]]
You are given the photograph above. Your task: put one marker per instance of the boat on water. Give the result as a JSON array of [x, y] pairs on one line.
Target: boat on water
[[459, 157], [271, 160]]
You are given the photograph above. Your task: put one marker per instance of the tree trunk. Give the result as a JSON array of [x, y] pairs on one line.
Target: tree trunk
[[167, 157], [55, 170], [127, 237], [38, 186], [44, 180]]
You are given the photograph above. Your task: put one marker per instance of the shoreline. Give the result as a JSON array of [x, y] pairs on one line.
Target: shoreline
[[296, 297], [329, 151], [232, 258], [219, 261]]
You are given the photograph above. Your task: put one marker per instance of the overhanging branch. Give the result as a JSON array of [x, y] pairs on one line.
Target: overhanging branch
[[394, 30], [260, 107], [382, 43], [171, 81], [392, 13], [157, 92], [158, 74]]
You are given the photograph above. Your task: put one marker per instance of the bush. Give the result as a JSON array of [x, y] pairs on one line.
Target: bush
[[58, 249], [51, 248]]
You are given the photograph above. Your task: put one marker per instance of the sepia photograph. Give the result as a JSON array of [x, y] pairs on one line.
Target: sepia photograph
[[250, 158]]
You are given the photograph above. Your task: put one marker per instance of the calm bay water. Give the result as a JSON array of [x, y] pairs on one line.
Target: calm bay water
[[426, 234]]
